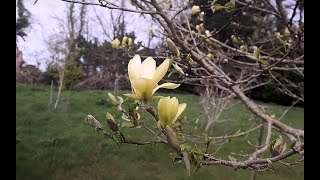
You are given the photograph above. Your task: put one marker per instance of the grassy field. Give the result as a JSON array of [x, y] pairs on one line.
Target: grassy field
[[57, 145]]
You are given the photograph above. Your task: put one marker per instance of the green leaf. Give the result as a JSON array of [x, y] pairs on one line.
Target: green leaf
[[256, 52], [186, 147], [118, 138], [126, 124], [230, 5], [217, 7], [271, 146], [152, 146], [172, 156], [264, 62], [206, 139], [196, 162]]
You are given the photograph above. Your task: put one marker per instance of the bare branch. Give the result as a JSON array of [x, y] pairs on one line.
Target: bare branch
[[110, 6], [252, 164]]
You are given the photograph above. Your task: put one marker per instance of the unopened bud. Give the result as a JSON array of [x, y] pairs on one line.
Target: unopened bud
[[115, 43], [111, 122], [210, 56], [277, 34], [172, 138], [201, 16], [195, 9], [286, 32], [243, 48], [113, 99], [130, 41], [124, 40], [173, 48]]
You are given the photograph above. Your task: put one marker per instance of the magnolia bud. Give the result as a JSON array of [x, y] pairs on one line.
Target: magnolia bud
[[130, 42], [201, 16], [256, 52], [115, 43], [278, 147], [243, 48], [195, 9], [113, 99], [172, 138], [93, 122], [277, 34], [208, 34], [210, 56], [286, 32], [111, 122], [124, 40], [173, 48], [234, 39], [198, 28]]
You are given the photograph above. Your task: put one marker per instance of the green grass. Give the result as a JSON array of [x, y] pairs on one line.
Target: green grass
[[57, 145]]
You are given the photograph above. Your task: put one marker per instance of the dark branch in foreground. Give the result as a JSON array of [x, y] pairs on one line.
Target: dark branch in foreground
[[252, 164]]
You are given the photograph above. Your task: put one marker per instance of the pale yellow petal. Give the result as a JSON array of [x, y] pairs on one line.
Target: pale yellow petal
[[150, 86], [134, 68], [148, 68], [161, 71], [131, 96], [181, 108], [173, 109], [143, 88], [166, 86], [162, 111], [139, 86]]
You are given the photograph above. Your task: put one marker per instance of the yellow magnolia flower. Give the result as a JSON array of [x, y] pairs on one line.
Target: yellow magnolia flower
[[195, 9], [130, 42], [169, 110], [115, 43], [124, 40], [144, 77]]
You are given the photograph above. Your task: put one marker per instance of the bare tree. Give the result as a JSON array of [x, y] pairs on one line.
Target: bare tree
[[214, 102], [63, 47]]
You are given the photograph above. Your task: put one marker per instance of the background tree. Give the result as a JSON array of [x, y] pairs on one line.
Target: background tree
[[23, 20]]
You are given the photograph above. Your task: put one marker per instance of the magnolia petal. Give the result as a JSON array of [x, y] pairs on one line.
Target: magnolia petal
[[131, 96], [161, 71], [162, 111], [134, 68], [143, 88], [148, 68], [181, 108], [166, 86], [139, 86], [173, 109]]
